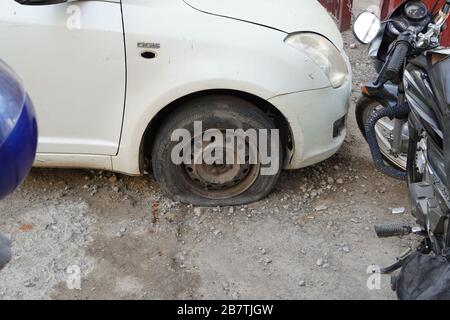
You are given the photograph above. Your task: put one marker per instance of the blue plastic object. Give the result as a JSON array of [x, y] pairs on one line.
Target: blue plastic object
[[18, 132]]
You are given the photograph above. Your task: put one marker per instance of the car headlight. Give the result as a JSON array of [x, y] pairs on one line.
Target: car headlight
[[323, 53]]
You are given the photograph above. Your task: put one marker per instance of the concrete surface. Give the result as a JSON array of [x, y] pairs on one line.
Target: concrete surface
[[311, 239]]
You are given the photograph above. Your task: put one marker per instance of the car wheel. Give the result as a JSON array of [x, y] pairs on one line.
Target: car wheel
[[216, 183]]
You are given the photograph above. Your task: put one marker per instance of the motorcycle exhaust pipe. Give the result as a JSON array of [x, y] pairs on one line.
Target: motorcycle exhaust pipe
[[373, 143]]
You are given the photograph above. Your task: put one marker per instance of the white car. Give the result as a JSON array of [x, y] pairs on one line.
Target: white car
[[112, 80]]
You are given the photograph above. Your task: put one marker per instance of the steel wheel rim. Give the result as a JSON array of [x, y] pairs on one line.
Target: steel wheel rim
[[222, 181]]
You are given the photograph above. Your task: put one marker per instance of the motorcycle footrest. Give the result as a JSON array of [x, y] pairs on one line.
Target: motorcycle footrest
[[392, 230]]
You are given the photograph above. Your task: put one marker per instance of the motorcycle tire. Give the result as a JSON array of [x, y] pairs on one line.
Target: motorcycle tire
[[363, 108]]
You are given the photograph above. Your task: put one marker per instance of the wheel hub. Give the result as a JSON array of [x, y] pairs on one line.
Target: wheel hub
[[221, 180]]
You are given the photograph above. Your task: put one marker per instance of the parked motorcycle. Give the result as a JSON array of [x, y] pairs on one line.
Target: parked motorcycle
[[392, 133], [405, 117], [18, 141]]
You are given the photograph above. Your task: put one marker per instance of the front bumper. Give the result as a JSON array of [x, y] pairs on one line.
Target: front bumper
[[312, 116]]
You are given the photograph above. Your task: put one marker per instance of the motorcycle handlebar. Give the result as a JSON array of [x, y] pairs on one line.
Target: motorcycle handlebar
[[396, 59], [404, 44]]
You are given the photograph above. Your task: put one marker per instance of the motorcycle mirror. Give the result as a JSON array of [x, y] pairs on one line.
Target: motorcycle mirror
[[366, 27]]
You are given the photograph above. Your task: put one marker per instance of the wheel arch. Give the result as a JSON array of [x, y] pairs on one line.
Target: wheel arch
[[265, 106]]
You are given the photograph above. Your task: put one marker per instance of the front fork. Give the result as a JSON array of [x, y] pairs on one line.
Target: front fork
[[397, 135]]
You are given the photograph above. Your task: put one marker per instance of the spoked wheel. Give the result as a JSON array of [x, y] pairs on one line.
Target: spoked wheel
[[384, 130], [203, 180]]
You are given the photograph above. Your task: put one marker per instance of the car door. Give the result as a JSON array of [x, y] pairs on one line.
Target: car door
[[71, 58]]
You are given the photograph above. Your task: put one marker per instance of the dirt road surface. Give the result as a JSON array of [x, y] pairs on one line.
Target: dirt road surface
[[311, 239]]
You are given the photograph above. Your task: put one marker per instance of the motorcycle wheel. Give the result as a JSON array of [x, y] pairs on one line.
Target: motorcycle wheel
[[384, 127]]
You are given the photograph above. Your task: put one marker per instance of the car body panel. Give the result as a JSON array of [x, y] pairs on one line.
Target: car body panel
[[312, 123], [79, 161], [76, 76], [286, 15]]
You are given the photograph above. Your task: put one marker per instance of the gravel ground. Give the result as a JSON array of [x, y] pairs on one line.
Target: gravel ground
[[311, 239]]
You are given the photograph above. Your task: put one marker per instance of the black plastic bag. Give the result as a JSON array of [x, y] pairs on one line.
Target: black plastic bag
[[424, 277]]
